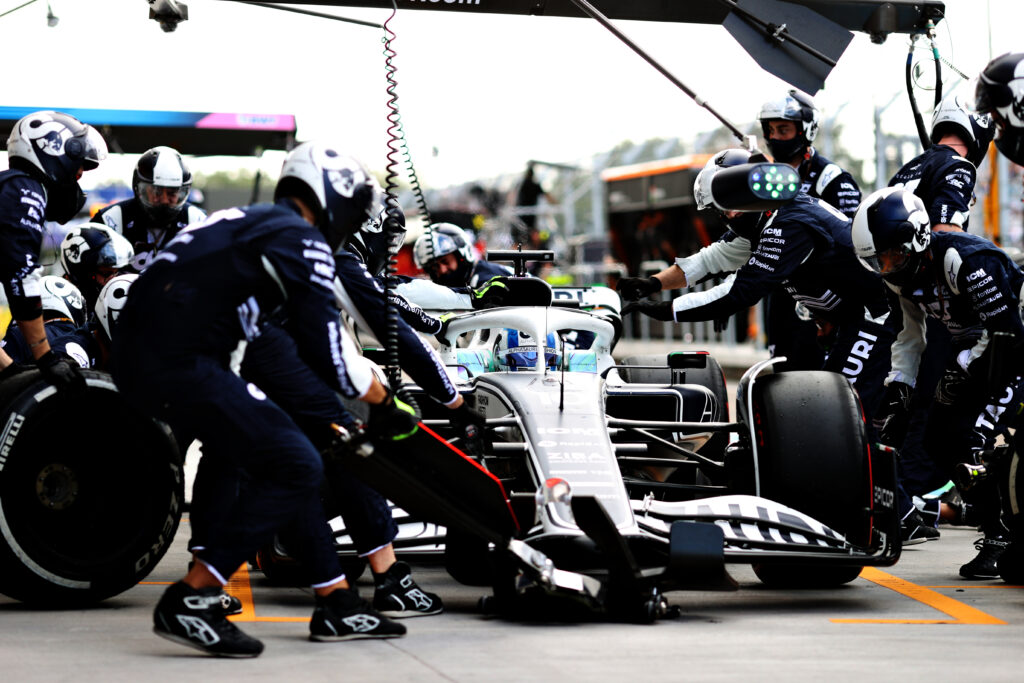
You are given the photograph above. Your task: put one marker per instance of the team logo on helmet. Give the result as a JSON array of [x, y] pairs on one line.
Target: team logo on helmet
[[343, 181], [50, 140], [74, 247]]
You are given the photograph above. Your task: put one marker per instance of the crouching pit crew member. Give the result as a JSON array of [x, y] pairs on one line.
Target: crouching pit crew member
[[1000, 93], [964, 282], [185, 317], [48, 152]]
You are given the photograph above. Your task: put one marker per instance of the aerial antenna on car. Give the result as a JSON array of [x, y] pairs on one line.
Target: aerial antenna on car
[[561, 391]]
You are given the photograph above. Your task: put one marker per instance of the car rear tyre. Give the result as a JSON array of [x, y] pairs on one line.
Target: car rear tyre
[[813, 457], [90, 492]]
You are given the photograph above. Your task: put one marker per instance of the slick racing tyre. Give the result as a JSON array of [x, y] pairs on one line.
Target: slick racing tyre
[[813, 457], [710, 377], [90, 492]]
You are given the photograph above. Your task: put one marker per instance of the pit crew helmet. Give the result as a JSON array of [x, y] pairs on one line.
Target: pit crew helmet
[[1000, 92], [891, 232], [161, 182], [793, 106], [91, 254], [746, 224], [112, 300], [442, 239], [53, 147], [514, 350], [379, 239], [337, 187], [976, 130], [61, 299]]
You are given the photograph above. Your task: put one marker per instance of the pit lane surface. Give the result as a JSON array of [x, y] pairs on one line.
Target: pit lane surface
[[907, 622]]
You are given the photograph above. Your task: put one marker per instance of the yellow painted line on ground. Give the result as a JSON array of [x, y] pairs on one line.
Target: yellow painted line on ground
[[155, 583], [961, 614], [238, 586]]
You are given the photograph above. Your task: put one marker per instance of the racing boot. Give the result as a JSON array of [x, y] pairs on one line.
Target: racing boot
[[396, 595], [985, 564], [230, 604], [343, 615], [195, 617], [914, 530]]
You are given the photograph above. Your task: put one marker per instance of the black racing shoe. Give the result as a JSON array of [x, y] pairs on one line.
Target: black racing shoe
[[914, 530], [230, 604], [195, 617], [985, 565], [396, 595], [343, 615]]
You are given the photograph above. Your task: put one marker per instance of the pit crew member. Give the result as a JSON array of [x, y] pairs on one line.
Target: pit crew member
[[48, 152], [966, 283], [219, 278], [160, 208]]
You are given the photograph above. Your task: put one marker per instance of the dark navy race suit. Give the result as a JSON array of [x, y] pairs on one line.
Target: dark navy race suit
[[945, 182], [130, 219], [787, 334], [805, 248], [972, 288], [22, 210], [186, 315], [66, 339]]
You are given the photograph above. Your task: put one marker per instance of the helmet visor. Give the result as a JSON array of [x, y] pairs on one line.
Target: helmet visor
[[95, 148], [888, 262], [157, 196]]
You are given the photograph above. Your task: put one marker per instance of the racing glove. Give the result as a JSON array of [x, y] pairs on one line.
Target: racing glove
[[490, 294], [894, 414], [633, 288], [659, 310], [443, 329], [952, 385], [392, 420], [61, 373]]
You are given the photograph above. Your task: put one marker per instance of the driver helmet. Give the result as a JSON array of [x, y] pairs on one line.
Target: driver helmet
[[91, 254], [515, 350], [748, 223], [1000, 92], [793, 106], [162, 183], [112, 300], [976, 130], [891, 232], [440, 240], [336, 187], [61, 299]]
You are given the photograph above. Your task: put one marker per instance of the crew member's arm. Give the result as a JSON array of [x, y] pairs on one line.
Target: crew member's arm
[[950, 208], [909, 345]]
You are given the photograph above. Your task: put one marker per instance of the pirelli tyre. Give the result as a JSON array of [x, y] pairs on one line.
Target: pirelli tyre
[[813, 457], [1011, 563], [90, 492]]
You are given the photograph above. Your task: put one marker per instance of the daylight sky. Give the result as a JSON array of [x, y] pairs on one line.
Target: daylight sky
[[479, 94]]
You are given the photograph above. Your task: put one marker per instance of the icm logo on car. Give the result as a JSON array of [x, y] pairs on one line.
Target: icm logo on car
[[8, 436]]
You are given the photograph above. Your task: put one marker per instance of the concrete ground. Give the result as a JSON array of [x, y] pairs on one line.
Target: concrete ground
[[916, 621]]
